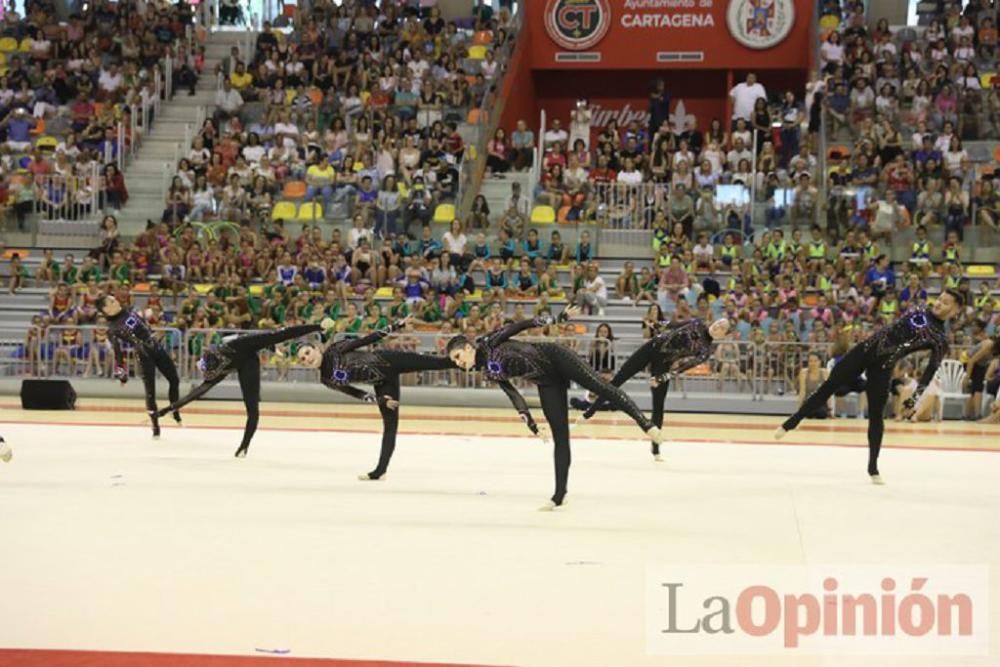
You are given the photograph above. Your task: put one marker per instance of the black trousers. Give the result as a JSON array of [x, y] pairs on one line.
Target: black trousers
[[400, 362], [844, 374], [158, 360], [249, 374], [645, 356], [553, 392]]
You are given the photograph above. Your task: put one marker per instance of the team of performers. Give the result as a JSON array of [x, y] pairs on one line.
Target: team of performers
[[503, 358]]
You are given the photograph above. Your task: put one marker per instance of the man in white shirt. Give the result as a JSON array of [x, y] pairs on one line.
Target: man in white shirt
[[110, 81], [286, 131], [418, 68], [555, 134], [739, 152], [594, 292], [744, 95], [228, 102]]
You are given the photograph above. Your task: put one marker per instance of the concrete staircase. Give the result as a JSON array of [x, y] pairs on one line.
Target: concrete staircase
[[153, 167], [497, 190]]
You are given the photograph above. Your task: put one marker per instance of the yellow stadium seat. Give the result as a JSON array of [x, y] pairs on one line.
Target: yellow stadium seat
[[310, 211], [46, 143], [8, 44], [986, 79], [204, 288], [256, 290], [283, 210], [829, 22], [3, 58], [543, 215], [25, 46], [444, 213], [477, 52], [981, 270], [383, 293]]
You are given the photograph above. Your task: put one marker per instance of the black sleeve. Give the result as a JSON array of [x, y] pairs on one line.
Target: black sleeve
[[194, 395], [351, 391], [517, 400], [937, 356], [253, 343], [684, 364], [351, 344], [505, 333]]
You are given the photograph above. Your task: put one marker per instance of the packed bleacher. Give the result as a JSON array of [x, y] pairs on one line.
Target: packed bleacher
[[782, 218], [70, 96]]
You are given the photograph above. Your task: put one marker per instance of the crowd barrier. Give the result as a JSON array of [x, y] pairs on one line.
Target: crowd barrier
[[751, 369]]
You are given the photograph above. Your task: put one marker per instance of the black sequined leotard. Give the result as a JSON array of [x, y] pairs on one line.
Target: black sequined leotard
[[129, 327], [676, 348], [916, 331]]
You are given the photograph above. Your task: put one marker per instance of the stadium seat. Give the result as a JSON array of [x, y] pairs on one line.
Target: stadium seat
[[543, 215], [483, 38], [477, 52], [844, 151], [981, 270], [39, 129], [562, 217], [256, 290], [316, 95], [8, 44], [829, 22], [25, 45], [46, 143], [475, 115], [310, 211], [986, 79], [20, 252], [283, 210], [294, 190], [444, 213]]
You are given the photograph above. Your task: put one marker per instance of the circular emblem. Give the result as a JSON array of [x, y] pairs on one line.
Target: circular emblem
[[494, 368], [919, 321], [340, 375], [577, 24], [760, 24]]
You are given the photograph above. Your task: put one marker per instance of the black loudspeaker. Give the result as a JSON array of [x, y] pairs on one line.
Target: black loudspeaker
[[47, 395]]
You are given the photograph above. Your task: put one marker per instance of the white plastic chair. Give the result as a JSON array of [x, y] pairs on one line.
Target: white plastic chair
[[951, 375]]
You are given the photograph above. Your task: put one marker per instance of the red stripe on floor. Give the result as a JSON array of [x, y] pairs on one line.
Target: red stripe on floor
[[45, 658], [167, 431]]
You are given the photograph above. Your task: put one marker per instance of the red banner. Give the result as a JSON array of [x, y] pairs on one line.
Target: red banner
[[642, 34]]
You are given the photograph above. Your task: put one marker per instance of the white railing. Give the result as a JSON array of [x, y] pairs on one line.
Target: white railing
[[68, 196]]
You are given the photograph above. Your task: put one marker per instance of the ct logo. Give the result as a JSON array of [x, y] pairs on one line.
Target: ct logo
[[577, 24], [760, 24]]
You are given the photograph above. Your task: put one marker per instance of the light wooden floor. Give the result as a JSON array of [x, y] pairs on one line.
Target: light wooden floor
[[110, 541]]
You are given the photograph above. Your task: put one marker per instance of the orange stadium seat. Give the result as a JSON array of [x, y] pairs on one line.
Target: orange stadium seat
[[294, 190]]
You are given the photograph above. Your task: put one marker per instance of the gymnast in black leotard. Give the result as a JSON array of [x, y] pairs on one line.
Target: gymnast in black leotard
[[345, 362], [242, 355], [674, 349], [917, 330], [552, 368], [127, 326]]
